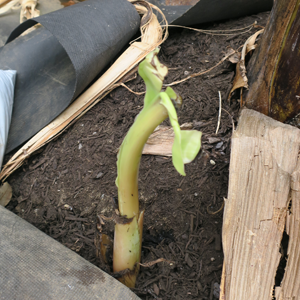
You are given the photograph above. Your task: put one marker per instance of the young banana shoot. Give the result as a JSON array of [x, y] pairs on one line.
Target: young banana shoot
[[158, 105]]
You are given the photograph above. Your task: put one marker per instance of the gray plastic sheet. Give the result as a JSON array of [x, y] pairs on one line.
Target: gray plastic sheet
[[36, 267]]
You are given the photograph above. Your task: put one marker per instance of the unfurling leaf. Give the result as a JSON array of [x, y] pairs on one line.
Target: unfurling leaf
[[187, 143], [153, 73]]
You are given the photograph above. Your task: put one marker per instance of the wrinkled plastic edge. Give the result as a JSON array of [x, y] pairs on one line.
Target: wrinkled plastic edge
[[7, 86]]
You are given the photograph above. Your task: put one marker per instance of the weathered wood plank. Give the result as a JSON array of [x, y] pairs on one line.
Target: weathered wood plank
[[264, 156], [290, 286]]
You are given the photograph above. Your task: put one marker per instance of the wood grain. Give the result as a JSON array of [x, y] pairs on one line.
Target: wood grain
[[290, 286], [263, 167]]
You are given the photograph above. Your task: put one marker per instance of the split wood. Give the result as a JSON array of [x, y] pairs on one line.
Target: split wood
[[263, 201]]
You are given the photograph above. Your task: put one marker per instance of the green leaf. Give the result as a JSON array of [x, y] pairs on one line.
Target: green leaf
[[190, 144], [176, 99], [186, 143], [153, 73]]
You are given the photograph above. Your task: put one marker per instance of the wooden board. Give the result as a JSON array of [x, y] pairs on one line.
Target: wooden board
[[263, 176]]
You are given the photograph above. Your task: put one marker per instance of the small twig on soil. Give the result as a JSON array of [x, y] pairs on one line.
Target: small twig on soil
[[200, 73], [217, 32], [215, 212], [188, 212], [188, 243], [130, 90], [233, 129], [71, 218], [192, 224], [220, 110], [152, 263]]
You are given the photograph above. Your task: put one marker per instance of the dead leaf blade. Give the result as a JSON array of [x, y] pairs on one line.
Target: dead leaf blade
[[152, 263]]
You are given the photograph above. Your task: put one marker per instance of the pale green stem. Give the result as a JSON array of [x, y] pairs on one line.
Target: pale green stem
[[130, 156]]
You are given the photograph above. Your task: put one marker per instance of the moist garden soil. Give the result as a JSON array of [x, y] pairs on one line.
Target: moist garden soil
[[64, 187]]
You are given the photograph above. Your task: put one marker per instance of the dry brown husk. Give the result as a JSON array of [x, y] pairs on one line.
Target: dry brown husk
[[240, 79], [27, 8], [161, 140]]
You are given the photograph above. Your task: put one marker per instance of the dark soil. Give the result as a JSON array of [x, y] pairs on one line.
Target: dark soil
[[63, 188]]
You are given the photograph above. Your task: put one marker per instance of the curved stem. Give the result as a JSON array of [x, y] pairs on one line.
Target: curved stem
[[128, 237], [130, 156]]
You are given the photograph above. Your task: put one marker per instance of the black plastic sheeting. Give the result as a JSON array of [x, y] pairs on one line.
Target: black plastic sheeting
[[209, 10], [184, 14], [57, 62], [36, 267]]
